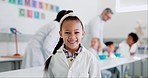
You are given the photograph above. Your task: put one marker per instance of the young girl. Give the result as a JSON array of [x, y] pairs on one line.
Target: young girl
[[96, 49], [40, 47], [71, 60], [95, 46]]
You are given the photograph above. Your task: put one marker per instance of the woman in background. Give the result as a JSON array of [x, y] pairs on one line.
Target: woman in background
[[96, 49], [43, 43]]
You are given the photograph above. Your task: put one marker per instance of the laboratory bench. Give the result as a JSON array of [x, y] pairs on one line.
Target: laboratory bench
[[8, 63]]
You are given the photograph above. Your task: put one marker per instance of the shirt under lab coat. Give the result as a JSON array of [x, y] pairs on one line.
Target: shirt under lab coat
[[41, 46], [125, 49], [84, 66], [94, 29], [111, 55]]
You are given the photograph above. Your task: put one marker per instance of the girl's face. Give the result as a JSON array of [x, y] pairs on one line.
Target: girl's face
[[72, 34], [130, 40], [95, 43]]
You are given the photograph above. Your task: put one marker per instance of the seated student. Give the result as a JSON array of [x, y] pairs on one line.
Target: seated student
[[128, 48], [96, 49], [110, 49], [111, 54]]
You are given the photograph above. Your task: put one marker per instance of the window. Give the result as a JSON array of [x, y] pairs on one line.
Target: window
[[131, 5]]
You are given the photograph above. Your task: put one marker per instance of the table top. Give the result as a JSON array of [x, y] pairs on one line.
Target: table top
[[6, 59], [34, 72], [113, 62]]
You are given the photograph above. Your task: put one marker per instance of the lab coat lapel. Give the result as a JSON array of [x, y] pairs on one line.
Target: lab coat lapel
[[63, 57], [78, 58]]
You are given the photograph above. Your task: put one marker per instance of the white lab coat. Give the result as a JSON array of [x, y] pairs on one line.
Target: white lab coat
[[125, 50], [94, 29], [105, 73], [84, 66], [112, 54], [95, 53], [41, 46]]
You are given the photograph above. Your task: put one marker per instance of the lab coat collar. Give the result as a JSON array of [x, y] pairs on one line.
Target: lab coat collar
[[63, 56], [68, 54], [101, 17]]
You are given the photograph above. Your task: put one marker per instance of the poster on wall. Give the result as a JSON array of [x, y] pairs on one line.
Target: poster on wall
[[35, 9], [26, 15]]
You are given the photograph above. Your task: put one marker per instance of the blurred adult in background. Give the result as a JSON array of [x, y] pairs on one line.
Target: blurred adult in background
[[96, 26], [43, 43]]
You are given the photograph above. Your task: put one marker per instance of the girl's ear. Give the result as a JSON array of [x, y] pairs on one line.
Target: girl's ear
[[83, 34], [60, 34]]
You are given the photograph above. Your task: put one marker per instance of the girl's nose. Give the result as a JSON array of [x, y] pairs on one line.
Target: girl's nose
[[72, 35]]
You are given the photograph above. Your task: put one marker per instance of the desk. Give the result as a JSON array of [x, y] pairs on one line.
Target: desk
[[114, 62], [37, 72], [13, 60]]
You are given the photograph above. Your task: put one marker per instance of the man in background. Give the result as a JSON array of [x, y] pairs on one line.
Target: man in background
[[96, 26]]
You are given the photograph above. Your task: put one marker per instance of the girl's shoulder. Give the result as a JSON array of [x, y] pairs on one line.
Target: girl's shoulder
[[84, 52], [87, 52], [60, 51]]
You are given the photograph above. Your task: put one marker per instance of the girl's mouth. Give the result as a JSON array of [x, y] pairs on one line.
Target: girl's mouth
[[72, 41]]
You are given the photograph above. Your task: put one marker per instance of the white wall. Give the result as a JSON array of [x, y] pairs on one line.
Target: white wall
[[86, 9], [120, 25], [10, 18], [8, 48]]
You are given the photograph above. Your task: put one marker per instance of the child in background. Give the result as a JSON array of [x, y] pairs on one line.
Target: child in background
[[110, 49], [71, 60], [111, 54], [96, 49], [128, 48]]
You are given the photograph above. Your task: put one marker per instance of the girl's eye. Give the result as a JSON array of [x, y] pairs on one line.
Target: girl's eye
[[77, 32], [67, 32]]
